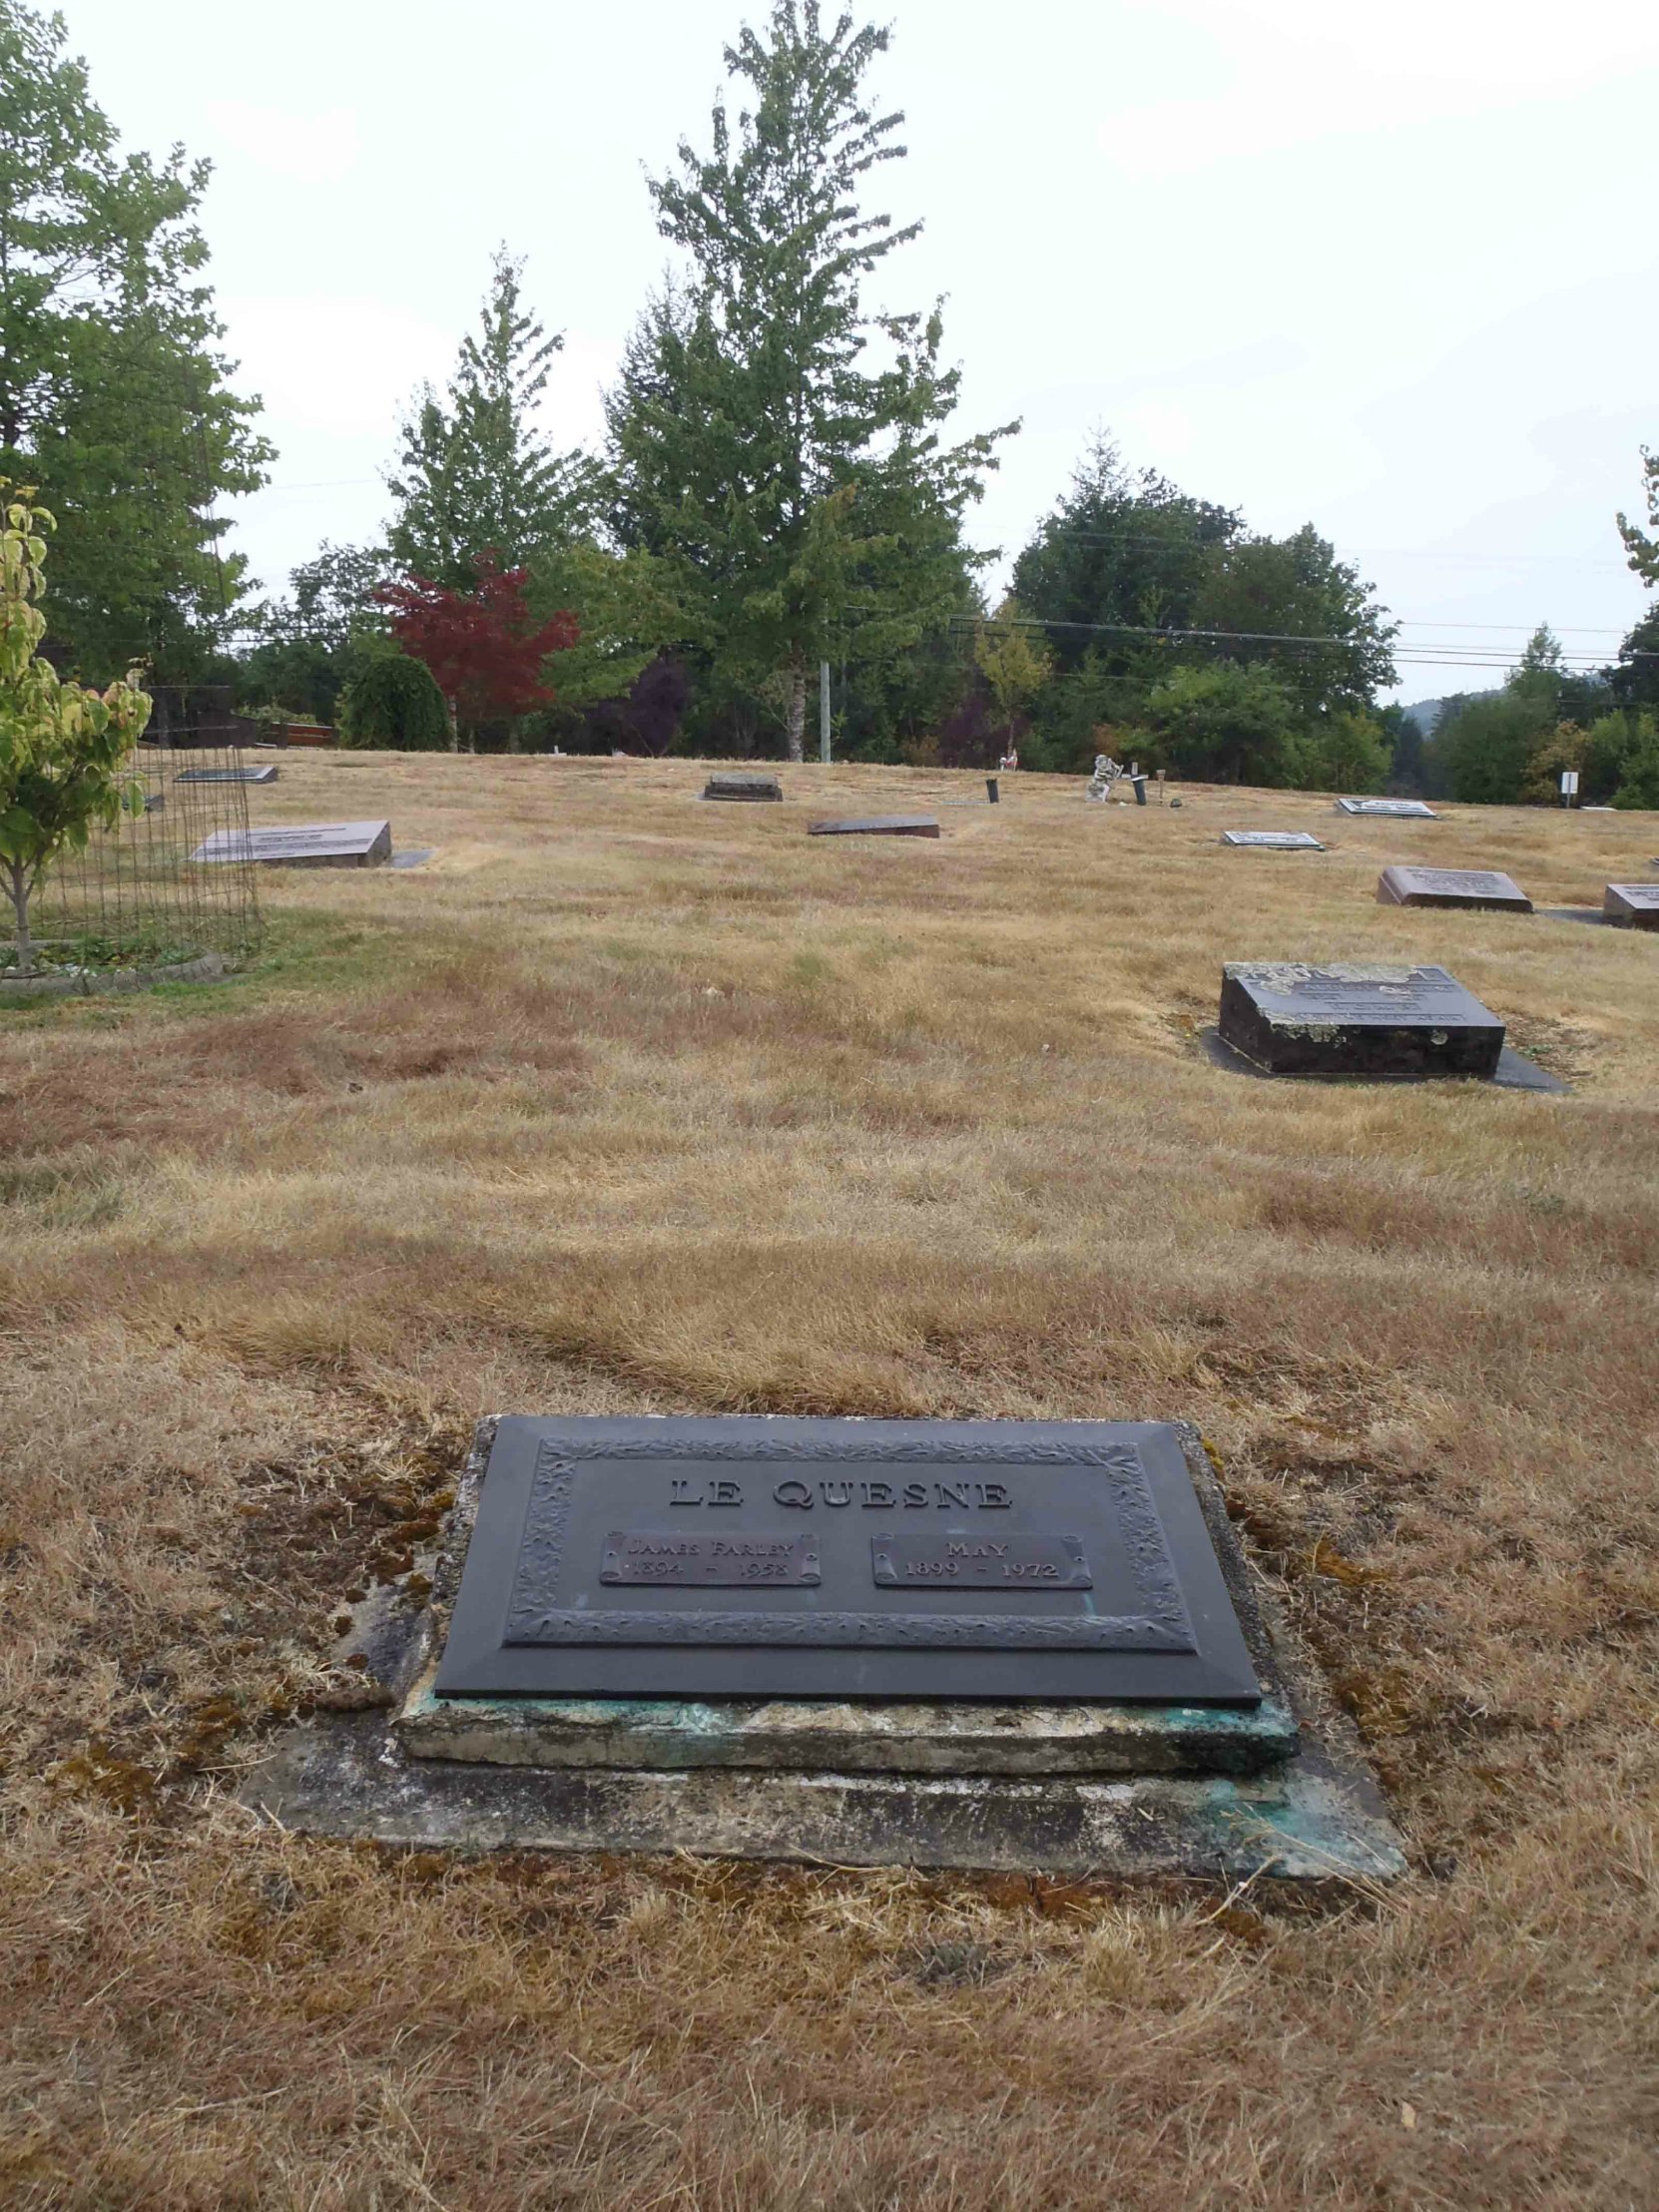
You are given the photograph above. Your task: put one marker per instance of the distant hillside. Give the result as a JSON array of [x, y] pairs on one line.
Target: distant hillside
[[1427, 713]]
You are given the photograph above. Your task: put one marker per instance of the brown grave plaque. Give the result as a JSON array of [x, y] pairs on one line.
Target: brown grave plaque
[[1632, 906], [877, 826], [1451, 887]]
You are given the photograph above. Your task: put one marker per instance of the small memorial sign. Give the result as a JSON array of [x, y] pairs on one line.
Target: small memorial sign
[[1407, 810], [877, 826], [1632, 906], [1357, 1020], [1451, 887], [754, 1558], [743, 786], [265, 773], [1274, 840], [303, 845]]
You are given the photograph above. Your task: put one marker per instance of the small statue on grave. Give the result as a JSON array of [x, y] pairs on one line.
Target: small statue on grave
[[1106, 773]]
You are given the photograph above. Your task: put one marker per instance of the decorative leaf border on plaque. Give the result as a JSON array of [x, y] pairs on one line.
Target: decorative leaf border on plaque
[[534, 1616]]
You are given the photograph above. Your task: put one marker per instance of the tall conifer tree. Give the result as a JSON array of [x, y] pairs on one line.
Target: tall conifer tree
[[476, 474], [801, 500]]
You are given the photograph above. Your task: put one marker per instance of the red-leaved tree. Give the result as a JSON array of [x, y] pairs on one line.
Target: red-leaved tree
[[484, 648]]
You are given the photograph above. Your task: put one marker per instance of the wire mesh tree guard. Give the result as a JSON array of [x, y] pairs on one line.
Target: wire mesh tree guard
[[132, 907]]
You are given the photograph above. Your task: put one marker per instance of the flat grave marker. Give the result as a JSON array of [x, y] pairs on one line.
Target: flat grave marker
[[1400, 809], [743, 786], [1632, 906], [1353, 1019], [1274, 840], [1451, 887], [877, 826], [754, 1558], [267, 773], [303, 845]]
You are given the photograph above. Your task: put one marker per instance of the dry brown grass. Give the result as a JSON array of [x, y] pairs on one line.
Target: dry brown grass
[[631, 1102]]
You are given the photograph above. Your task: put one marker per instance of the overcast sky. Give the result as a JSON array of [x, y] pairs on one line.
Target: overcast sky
[[1392, 270]]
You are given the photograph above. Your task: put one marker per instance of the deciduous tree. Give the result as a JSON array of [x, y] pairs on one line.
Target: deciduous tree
[[62, 749], [114, 397], [485, 647]]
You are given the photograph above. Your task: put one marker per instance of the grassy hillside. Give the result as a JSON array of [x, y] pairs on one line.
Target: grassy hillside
[[626, 1102]]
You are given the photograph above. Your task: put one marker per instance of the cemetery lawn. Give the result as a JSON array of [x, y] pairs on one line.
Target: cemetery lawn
[[626, 1102]]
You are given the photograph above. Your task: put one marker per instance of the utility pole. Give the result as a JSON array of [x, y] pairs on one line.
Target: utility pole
[[824, 712]]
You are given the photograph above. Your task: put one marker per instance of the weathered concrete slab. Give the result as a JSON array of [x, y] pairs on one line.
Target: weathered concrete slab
[[303, 845], [1316, 1818], [1451, 887], [1353, 1019], [1274, 840], [877, 826], [1632, 906]]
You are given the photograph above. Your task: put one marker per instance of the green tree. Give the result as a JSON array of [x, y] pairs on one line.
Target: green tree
[[804, 503], [1013, 660], [1227, 724], [1120, 554], [1285, 589], [113, 395], [1345, 752], [475, 474], [62, 749], [1642, 549], [314, 641], [393, 700]]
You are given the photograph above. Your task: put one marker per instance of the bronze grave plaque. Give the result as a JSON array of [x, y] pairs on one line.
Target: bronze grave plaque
[[824, 1558]]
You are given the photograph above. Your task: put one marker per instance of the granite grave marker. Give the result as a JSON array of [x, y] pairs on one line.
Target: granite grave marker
[[1353, 1019], [877, 826], [265, 773], [303, 845], [743, 786], [1451, 887], [1407, 810], [1274, 840], [1632, 906]]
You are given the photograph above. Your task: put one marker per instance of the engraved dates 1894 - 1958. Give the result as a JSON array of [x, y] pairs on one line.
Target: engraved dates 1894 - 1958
[[642, 1555]]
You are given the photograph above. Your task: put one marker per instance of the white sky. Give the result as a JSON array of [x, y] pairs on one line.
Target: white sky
[[1389, 269]]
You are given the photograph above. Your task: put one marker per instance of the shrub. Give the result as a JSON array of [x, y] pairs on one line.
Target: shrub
[[393, 701]]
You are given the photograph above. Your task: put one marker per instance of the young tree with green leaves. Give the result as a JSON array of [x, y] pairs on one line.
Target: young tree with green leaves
[[114, 397], [476, 474], [62, 749], [776, 447], [1012, 658], [1227, 724]]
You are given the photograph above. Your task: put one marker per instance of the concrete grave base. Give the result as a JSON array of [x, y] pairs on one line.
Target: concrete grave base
[[1074, 1787], [1316, 1818]]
